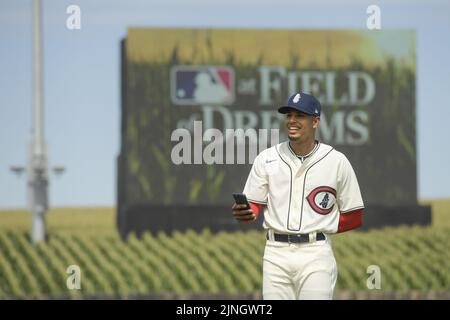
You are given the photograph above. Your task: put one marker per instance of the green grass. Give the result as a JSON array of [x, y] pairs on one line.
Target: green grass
[[79, 220], [441, 211], [410, 258]]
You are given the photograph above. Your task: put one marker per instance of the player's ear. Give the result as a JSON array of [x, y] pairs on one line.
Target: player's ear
[[316, 121]]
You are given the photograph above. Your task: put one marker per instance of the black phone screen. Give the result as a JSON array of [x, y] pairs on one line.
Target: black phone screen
[[240, 198]]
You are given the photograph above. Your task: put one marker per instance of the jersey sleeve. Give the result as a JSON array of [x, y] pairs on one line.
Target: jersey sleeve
[[348, 194], [256, 187]]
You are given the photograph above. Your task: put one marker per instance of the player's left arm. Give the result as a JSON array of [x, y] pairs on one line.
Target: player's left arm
[[349, 198], [350, 220]]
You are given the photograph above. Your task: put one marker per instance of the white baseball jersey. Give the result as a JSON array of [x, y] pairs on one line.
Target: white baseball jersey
[[303, 196]]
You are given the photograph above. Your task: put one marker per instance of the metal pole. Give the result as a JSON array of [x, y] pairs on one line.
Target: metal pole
[[37, 168]]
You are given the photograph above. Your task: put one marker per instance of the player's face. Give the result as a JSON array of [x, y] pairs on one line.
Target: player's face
[[300, 126]]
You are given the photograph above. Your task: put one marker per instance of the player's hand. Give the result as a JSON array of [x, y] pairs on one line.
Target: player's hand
[[242, 214]]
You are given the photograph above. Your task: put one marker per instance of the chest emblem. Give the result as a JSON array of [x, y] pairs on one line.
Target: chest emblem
[[322, 199]]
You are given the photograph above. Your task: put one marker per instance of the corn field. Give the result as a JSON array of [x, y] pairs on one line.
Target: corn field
[[410, 258]]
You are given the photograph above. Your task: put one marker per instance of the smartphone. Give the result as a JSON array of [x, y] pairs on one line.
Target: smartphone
[[241, 198]]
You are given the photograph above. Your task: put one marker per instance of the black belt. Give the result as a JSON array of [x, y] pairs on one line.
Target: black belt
[[295, 238]]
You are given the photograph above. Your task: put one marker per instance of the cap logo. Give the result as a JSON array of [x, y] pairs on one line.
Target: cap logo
[[296, 98], [317, 111]]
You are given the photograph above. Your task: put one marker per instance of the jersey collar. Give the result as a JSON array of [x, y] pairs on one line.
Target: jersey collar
[[305, 157], [290, 158]]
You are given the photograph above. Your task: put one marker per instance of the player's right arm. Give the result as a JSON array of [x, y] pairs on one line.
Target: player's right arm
[[256, 190]]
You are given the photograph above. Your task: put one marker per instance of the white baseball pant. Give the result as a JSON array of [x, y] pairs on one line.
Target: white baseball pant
[[299, 271]]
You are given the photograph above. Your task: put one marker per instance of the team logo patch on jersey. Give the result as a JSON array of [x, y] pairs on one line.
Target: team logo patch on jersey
[[191, 85], [322, 199]]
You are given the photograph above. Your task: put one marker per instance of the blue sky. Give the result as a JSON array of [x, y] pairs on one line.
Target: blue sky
[[82, 80]]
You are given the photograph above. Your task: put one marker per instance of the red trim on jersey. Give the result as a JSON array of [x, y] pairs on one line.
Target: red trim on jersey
[[350, 220], [256, 208]]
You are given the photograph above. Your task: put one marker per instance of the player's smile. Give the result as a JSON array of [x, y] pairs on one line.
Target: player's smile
[[293, 130]]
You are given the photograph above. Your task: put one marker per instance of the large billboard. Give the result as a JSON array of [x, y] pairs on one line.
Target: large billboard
[[196, 103]]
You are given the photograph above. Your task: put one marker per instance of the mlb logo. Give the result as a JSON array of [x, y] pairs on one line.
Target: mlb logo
[[192, 85]]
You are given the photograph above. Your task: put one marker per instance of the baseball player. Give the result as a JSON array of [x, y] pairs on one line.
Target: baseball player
[[307, 191]]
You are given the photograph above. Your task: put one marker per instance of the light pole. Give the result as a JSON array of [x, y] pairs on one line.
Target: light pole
[[37, 163], [37, 168]]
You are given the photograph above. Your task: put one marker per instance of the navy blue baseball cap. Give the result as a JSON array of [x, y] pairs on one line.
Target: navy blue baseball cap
[[302, 102]]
